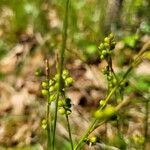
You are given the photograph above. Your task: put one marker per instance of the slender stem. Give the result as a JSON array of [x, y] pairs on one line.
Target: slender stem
[[60, 66], [146, 123], [48, 128], [48, 117], [106, 100], [69, 130], [85, 134], [133, 64]]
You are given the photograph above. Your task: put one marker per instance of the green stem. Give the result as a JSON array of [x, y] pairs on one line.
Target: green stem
[[48, 128], [146, 123], [69, 130], [85, 134], [60, 67], [48, 117], [106, 101]]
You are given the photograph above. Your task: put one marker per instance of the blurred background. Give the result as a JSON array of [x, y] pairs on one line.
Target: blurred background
[[30, 31]]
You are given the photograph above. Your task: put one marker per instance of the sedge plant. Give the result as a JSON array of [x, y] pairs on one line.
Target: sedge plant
[[54, 91], [105, 111]]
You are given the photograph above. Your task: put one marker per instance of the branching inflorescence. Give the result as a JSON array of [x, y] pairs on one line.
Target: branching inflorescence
[[54, 91]]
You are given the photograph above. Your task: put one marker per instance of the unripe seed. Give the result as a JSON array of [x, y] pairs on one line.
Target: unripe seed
[[93, 139], [61, 111], [105, 70], [109, 111], [101, 57], [102, 102], [113, 45], [68, 81], [99, 114], [51, 98], [44, 85], [106, 45], [56, 77], [104, 52], [65, 74], [110, 85], [106, 39], [61, 103], [114, 81], [109, 77], [68, 112], [39, 72], [51, 82], [44, 92], [101, 46], [44, 124], [56, 86], [111, 36], [52, 88]]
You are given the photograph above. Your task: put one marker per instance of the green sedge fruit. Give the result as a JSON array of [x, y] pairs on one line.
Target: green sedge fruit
[[44, 85], [68, 81], [104, 52], [62, 111], [39, 72], [56, 77], [51, 98], [52, 88], [93, 139], [51, 82], [102, 102], [109, 111], [44, 92], [102, 57], [109, 77], [110, 85], [68, 112], [61, 103], [65, 74], [138, 139], [99, 114], [106, 39], [56, 86], [111, 36], [44, 124], [114, 81], [101, 46], [106, 45]]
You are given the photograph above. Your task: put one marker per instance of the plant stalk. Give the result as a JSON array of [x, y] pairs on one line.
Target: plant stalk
[[133, 64], [146, 124], [60, 67], [48, 117], [69, 131]]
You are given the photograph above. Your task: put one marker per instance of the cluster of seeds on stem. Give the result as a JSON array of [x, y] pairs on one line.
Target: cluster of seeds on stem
[[111, 79], [106, 113], [106, 47], [50, 89], [64, 106], [92, 140]]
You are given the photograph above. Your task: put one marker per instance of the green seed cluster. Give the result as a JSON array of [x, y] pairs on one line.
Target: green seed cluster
[[138, 139], [64, 106], [123, 85], [107, 46], [52, 85], [106, 113], [39, 72], [92, 140], [110, 77], [44, 124]]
